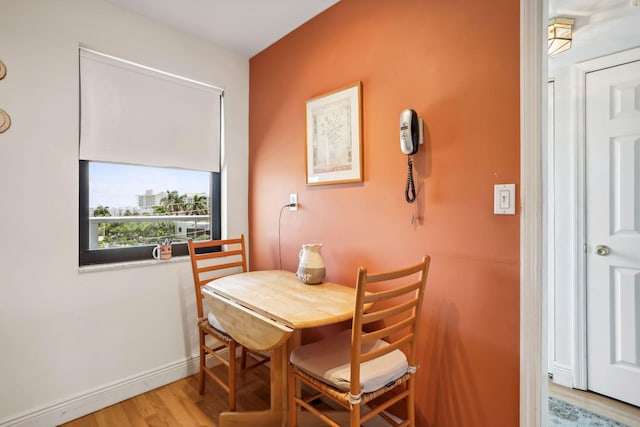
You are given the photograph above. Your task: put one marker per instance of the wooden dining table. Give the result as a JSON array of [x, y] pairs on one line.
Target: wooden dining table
[[265, 311]]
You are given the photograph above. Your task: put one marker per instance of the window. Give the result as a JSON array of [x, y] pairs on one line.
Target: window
[[149, 160], [126, 210]]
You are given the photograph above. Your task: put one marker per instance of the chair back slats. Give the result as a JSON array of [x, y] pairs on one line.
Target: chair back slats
[[391, 275], [395, 345], [217, 256], [394, 328], [390, 313], [391, 293], [222, 254], [217, 267]]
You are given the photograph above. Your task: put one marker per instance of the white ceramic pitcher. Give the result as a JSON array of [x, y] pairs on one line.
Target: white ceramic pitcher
[[311, 268]]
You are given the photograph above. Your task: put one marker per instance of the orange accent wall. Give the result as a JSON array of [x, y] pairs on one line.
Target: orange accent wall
[[456, 63]]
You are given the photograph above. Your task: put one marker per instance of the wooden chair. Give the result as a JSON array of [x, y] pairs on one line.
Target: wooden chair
[[372, 363], [210, 260]]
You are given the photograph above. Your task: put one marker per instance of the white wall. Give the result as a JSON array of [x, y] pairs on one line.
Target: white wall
[[70, 341]]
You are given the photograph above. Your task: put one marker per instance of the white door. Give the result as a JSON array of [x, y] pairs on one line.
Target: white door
[[613, 231]]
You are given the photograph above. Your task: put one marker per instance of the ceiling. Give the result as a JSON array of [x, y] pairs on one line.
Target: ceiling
[[242, 26], [601, 27], [249, 26]]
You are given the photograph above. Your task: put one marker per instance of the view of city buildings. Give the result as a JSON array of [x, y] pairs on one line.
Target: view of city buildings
[[146, 203]]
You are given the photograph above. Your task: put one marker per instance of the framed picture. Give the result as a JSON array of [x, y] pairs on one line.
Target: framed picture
[[334, 137]]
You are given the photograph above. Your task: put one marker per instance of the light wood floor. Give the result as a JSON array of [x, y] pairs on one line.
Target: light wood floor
[[614, 409], [179, 405]]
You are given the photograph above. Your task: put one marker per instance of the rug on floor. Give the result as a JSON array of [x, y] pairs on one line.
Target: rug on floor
[[563, 413]]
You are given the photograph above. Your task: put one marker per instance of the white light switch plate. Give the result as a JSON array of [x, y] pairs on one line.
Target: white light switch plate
[[504, 199]]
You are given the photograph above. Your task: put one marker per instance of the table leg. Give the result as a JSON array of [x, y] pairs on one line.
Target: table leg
[[274, 416]]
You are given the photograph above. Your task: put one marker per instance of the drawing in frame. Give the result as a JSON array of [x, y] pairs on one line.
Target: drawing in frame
[[334, 137]]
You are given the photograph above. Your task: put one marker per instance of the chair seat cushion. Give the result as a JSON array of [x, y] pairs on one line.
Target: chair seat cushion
[[213, 321], [329, 361]]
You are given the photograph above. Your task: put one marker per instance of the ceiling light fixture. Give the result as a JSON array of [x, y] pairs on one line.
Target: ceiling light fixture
[[560, 32]]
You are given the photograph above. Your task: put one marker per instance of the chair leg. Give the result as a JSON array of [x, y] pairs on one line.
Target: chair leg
[[293, 410], [354, 416], [411, 402], [202, 363], [232, 376]]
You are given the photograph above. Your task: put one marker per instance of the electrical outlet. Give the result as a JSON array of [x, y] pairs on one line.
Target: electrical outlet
[[293, 200]]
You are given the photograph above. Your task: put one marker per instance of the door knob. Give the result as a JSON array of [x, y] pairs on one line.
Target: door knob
[[602, 250]]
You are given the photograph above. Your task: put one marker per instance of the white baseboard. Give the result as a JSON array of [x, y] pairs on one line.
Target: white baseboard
[[563, 375], [76, 406]]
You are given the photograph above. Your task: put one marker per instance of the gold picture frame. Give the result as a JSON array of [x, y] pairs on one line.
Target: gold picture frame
[[334, 137]]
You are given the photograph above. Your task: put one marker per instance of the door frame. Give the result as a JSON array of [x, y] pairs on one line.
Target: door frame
[[533, 76], [580, 291]]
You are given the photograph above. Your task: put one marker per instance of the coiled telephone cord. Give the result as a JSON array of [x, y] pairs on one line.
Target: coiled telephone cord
[[410, 189]]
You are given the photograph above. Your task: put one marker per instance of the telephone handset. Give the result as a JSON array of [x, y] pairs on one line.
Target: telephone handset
[[410, 140], [409, 132]]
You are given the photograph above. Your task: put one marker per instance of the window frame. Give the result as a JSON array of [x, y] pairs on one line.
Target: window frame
[[137, 253]]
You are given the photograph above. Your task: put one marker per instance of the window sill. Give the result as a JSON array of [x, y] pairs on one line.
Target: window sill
[[130, 264]]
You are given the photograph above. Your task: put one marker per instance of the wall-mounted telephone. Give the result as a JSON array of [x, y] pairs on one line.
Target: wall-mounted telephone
[[409, 132], [411, 136]]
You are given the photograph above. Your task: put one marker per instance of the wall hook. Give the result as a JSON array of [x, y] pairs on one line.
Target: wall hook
[[5, 121]]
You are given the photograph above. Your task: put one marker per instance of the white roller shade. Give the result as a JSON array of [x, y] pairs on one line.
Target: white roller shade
[[137, 115]]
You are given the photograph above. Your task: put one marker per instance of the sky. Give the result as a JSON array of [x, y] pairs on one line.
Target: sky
[[116, 185]]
